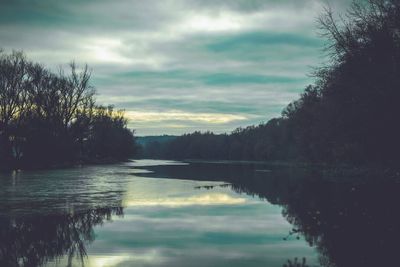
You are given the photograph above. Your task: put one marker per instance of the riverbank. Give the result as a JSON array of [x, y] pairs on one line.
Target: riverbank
[[339, 172], [62, 165]]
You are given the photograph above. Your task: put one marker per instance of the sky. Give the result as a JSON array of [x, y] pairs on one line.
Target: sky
[[177, 66]]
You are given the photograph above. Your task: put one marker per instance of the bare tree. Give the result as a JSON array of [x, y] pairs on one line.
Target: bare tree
[[13, 76]]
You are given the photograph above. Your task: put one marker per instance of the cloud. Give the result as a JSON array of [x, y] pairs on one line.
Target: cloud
[[215, 65]]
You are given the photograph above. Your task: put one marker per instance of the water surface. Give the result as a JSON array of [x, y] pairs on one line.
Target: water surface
[[163, 213]]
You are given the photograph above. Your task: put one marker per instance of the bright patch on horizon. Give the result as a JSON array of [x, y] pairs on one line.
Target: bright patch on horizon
[[212, 118], [201, 200], [151, 256]]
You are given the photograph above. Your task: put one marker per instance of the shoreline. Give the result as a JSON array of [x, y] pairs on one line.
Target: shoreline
[[329, 171], [66, 165]]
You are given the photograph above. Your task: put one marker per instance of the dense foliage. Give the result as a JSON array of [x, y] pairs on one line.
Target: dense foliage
[[49, 119], [350, 114]]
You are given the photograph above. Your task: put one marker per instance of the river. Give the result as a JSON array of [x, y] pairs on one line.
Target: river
[[167, 213]]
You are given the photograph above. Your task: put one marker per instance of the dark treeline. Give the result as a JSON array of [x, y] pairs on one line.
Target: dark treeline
[[351, 112], [49, 118], [152, 146]]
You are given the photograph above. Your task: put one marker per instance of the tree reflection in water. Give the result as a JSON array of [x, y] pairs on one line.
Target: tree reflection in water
[[352, 221], [296, 263], [34, 240]]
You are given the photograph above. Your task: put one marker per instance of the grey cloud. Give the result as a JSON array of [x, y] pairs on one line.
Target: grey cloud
[[146, 56]]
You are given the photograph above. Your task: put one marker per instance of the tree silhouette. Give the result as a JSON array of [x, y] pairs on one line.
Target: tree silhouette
[[48, 119]]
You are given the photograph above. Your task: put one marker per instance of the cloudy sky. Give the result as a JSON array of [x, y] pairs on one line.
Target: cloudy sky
[[177, 66]]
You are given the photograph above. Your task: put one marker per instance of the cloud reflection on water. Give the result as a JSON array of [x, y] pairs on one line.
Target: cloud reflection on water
[[201, 199]]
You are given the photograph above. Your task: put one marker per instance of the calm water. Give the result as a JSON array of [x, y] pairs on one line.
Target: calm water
[[160, 213]]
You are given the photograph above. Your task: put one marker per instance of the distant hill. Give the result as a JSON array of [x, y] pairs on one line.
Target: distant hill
[[153, 146], [145, 140]]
